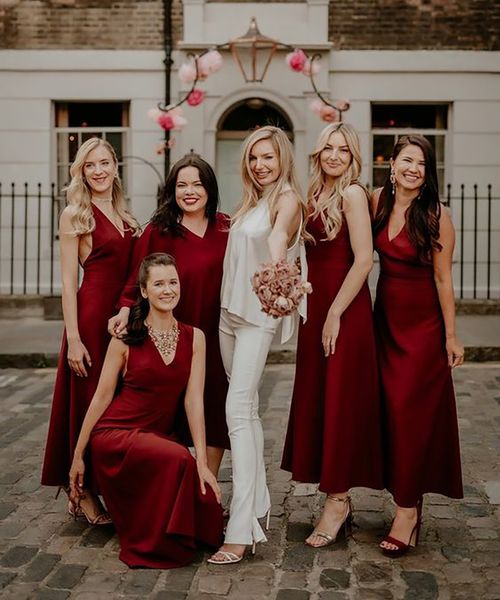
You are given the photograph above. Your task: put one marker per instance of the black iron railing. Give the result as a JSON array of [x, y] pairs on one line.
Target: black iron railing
[[29, 256]]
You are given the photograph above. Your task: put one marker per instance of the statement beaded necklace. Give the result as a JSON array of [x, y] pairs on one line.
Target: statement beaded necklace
[[165, 341]]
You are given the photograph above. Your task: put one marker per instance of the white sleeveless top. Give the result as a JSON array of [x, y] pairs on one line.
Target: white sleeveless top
[[246, 250]]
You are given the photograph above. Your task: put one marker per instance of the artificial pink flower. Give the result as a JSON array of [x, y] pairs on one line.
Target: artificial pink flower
[[187, 73], [311, 67], [178, 121], [154, 113], [195, 97], [316, 106], [165, 121], [160, 148], [296, 60], [329, 114], [208, 63], [343, 104]]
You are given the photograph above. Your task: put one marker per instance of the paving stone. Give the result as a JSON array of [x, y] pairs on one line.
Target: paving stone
[[41, 566], [52, 595], [10, 529], [329, 595], [367, 572], [334, 578], [374, 594], [455, 553], [73, 528], [421, 585], [5, 578], [293, 579], [66, 576], [165, 595], [20, 591], [97, 537], [180, 580], [298, 557], [214, 584], [141, 582], [474, 510], [18, 555], [6, 508], [298, 532], [293, 595], [98, 582]]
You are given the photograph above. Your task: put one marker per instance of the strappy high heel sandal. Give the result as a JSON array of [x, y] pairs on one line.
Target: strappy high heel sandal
[[327, 538], [77, 511], [402, 547], [228, 558]]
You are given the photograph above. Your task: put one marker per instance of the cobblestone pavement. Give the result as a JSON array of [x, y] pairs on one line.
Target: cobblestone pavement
[[46, 556]]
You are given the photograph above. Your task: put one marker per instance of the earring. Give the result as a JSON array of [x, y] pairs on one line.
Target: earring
[[392, 179]]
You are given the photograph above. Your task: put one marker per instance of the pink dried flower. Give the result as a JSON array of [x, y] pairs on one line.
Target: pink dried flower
[[160, 148], [210, 62], [195, 97], [311, 67], [187, 73], [343, 104], [329, 114], [165, 121], [279, 287], [296, 60], [178, 121], [154, 113], [316, 105]]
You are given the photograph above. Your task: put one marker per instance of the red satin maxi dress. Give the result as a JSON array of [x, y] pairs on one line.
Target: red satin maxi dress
[[422, 452], [334, 429], [199, 264], [105, 272], [148, 480]]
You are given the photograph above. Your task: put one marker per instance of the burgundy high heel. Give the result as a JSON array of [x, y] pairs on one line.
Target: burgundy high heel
[[78, 512], [401, 547]]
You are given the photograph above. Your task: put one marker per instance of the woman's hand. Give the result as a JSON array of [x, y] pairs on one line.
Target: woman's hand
[[455, 351], [208, 478], [76, 478], [330, 333], [118, 324], [77, 355]]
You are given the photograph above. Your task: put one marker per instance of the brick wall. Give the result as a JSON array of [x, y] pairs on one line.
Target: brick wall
[[353, 24], [415, 24], [103, 24]]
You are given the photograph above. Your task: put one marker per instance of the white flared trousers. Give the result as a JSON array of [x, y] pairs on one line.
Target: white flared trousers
[[244, 348]]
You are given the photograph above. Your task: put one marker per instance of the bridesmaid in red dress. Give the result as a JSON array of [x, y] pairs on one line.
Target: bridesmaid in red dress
[[163, 502], [416, 338], [334, 435], [96, 232], [188, 227]]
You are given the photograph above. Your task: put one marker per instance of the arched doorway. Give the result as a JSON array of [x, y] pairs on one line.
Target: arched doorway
[[233, 127]]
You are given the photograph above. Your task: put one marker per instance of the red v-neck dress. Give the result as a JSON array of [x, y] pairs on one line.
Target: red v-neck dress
[[422, 451], [105, 272], [149, 481], [199, 263]]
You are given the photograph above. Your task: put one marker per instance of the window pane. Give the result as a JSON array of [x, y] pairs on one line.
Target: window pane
[[115, 139], [414, 116], [382, 148], [95, 114], [379, 176]]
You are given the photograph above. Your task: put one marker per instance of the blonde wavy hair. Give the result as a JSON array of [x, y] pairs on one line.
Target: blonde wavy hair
[[252, 190], [79, 194], [330, 208]]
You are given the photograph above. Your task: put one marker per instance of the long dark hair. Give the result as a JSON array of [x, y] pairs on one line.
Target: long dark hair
[[422, 217], [168, 216], [136, 329]]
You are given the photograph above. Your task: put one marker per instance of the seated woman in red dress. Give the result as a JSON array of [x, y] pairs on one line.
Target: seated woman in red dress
[[417, 345], [164, 503]]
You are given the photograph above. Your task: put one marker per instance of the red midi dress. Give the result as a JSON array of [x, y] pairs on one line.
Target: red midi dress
[[199, 263], [422, 452], [334, 429], [105, 272], [149, 481]]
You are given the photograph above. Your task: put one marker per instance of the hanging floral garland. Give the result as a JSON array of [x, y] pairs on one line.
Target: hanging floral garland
[[199, 67]]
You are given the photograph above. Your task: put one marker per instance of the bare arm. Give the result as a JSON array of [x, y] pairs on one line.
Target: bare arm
[[115, 360], [194, 410], [357, 215], [285, 226], [442, 262], [142, 247], [70, 248]]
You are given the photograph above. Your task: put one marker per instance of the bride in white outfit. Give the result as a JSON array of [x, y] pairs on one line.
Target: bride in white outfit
[[265, 228]]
